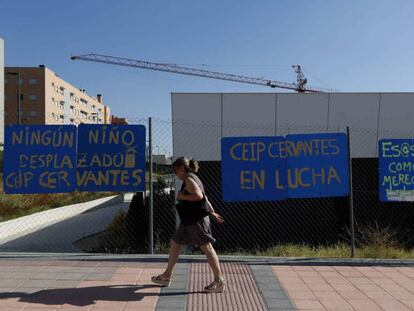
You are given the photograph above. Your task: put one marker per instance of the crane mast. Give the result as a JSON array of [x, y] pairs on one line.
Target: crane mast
[[300, 86]]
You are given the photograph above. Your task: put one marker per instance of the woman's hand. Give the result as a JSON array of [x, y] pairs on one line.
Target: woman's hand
[[217, 218]]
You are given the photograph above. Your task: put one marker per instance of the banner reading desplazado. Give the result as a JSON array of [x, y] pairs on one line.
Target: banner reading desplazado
[[39, 159], [111, 158], [396, 169], [277, 168]]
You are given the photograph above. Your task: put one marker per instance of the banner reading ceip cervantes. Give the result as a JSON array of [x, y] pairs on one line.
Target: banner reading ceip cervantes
[[276, 168]]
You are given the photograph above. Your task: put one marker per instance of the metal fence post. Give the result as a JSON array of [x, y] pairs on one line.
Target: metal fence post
[[151, 190], [351, 196]]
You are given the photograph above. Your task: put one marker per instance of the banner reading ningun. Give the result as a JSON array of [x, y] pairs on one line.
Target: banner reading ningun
[[39, 159]]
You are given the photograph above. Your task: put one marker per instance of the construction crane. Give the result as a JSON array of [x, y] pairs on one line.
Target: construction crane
[[299, 86]]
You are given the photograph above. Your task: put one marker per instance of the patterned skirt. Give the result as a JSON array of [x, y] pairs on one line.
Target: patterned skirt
[[196, 234]]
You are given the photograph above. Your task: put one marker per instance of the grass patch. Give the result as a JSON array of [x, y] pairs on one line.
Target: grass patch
[[333, 251]]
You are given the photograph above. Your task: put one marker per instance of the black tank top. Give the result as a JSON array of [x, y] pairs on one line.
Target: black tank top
[[197, 181], [192, 211]]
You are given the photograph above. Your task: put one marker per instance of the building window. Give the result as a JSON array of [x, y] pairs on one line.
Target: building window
[[5, 81], [62, 105], [21, 96], [21, 81], [32, 81], [32, 97], [62, 90]]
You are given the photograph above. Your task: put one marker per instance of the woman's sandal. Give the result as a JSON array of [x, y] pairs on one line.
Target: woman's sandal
[[218, 286], [160, 280]]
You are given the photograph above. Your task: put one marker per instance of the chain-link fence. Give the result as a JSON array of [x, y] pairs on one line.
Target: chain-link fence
[[127, 223]]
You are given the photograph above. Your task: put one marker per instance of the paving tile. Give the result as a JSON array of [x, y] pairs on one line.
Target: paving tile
[[391, 304], [355, 294], [11, 282], [302, 295], [335, 303], [344, 287], [313, 280], [308, 304], [364, 305], [402, 294], [325, 294], [71, 276], [36, 283], [98, 277], [285, 279], [68, 307], [408, 303], [63, 284]]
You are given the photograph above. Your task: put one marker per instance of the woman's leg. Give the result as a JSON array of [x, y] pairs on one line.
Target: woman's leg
[[213, 260], [174, 253]]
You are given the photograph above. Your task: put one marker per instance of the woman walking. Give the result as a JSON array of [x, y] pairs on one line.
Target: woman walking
[[194, 210]]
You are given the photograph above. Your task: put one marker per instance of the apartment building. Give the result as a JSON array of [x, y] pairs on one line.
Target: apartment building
[[37, 95]]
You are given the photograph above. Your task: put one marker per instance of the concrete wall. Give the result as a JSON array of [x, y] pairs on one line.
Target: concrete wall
[[201, 119]]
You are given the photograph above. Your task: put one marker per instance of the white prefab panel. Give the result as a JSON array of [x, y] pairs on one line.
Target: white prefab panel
[[360, 113], [249, 115], [397, 115], [196, 125], [1, 91], [301, 113]]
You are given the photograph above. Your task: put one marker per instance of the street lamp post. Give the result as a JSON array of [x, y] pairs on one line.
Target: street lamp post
[[18, 94]]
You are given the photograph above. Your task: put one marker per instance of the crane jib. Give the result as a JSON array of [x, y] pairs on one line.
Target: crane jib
[[300, 86]]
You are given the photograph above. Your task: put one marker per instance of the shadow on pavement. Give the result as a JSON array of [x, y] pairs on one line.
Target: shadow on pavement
[[89, 295]]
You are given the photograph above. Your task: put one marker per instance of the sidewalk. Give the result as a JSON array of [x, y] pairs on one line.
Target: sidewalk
[[110, 282]]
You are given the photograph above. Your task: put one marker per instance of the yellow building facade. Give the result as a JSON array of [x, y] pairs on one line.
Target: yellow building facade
[[37, 95]]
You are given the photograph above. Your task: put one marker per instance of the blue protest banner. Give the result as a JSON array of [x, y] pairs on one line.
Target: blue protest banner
[[111, 157], [39, 159], [275, 168], [317, 165], [396, 169], [253, 168]]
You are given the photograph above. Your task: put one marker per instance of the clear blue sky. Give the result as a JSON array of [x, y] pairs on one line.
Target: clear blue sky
[[361, 46]]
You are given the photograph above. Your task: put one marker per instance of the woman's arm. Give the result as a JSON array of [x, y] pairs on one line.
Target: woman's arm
[[218, 218], [193, 191], [209, 206]]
